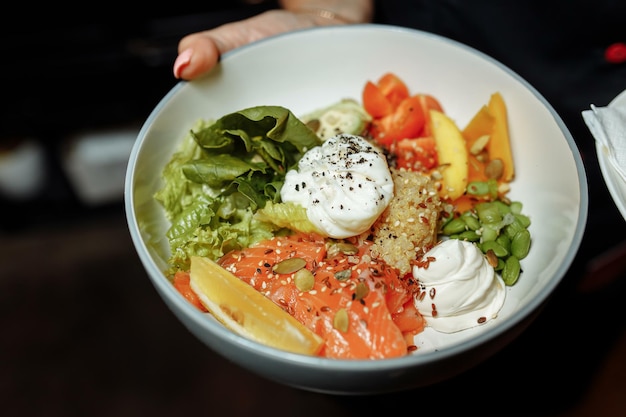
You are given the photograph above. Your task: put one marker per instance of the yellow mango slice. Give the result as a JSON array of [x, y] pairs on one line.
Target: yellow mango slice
[[499, 145], [452, 154], [481, 124], [247, 312], [476, 133]]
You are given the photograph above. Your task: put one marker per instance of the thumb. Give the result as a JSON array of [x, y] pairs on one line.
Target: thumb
[[199, 52]]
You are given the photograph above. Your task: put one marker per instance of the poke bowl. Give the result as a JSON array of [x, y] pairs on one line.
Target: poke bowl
[[286, 81]]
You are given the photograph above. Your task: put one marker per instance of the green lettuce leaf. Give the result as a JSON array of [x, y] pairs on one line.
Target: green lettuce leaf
[[223, 172], [271, 133], [212, 227], [288, 216]]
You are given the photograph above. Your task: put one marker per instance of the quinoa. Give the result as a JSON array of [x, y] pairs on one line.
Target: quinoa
[[408, 226]]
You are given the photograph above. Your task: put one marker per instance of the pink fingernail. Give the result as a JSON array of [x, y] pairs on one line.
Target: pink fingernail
[[182, 60]]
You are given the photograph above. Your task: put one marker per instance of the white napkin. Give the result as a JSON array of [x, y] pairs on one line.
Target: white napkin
[[608, 127]]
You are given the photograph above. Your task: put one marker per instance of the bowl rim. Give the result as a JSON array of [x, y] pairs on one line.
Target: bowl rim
[[163, 286]]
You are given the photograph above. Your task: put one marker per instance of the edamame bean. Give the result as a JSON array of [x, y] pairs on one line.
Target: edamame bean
[[512, 229], [469, 235], [499, 251], [500, 265], [524, 220], [454, 226], [516, 207], [488, 213], [478, 188], [511, 270], [471, 222], [500, 231], [504, 241], [520, 244], [502, 207], [488, 233]]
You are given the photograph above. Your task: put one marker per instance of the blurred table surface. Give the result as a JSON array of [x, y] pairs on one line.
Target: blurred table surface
[[84, 333]]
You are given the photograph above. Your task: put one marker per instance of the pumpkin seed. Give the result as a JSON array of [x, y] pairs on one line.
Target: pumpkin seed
[[479, 144], [340, 321], [361, 291], [341, 247], [343, 275], [289, 266], [494, 169], [492, 259], [304, 280]]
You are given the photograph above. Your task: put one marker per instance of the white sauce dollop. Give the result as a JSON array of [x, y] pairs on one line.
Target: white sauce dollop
[[344, 184], [460, 285]]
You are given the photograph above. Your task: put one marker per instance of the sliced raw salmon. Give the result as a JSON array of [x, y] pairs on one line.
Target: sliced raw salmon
[[359, 306]]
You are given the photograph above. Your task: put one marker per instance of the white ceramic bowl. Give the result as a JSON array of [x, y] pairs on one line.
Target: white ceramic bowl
[[309, 69]]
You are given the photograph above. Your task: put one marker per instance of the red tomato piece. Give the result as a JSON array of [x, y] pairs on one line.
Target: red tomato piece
[[407, 121], [429, 103], [418, 154], [393, 88], [375, 102]]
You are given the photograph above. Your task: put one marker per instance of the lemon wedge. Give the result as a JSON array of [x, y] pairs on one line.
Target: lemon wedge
[[247, 312]]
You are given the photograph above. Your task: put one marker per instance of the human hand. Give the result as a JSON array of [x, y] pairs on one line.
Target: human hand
[[199, 52]]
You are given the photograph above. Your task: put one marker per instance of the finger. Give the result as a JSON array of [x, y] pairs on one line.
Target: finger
[[200, 52]]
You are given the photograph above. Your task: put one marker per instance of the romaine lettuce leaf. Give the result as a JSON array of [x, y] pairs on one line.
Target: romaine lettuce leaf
[[288, 216], [222, 174], [271, 133]]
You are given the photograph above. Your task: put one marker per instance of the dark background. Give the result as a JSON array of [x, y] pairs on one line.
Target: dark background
[[85, 334], [98, 68]]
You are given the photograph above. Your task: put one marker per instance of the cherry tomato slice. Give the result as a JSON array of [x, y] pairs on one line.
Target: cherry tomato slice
[[375, 102], [429, 103], [418, 154], [393, 88], [407, 121]]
